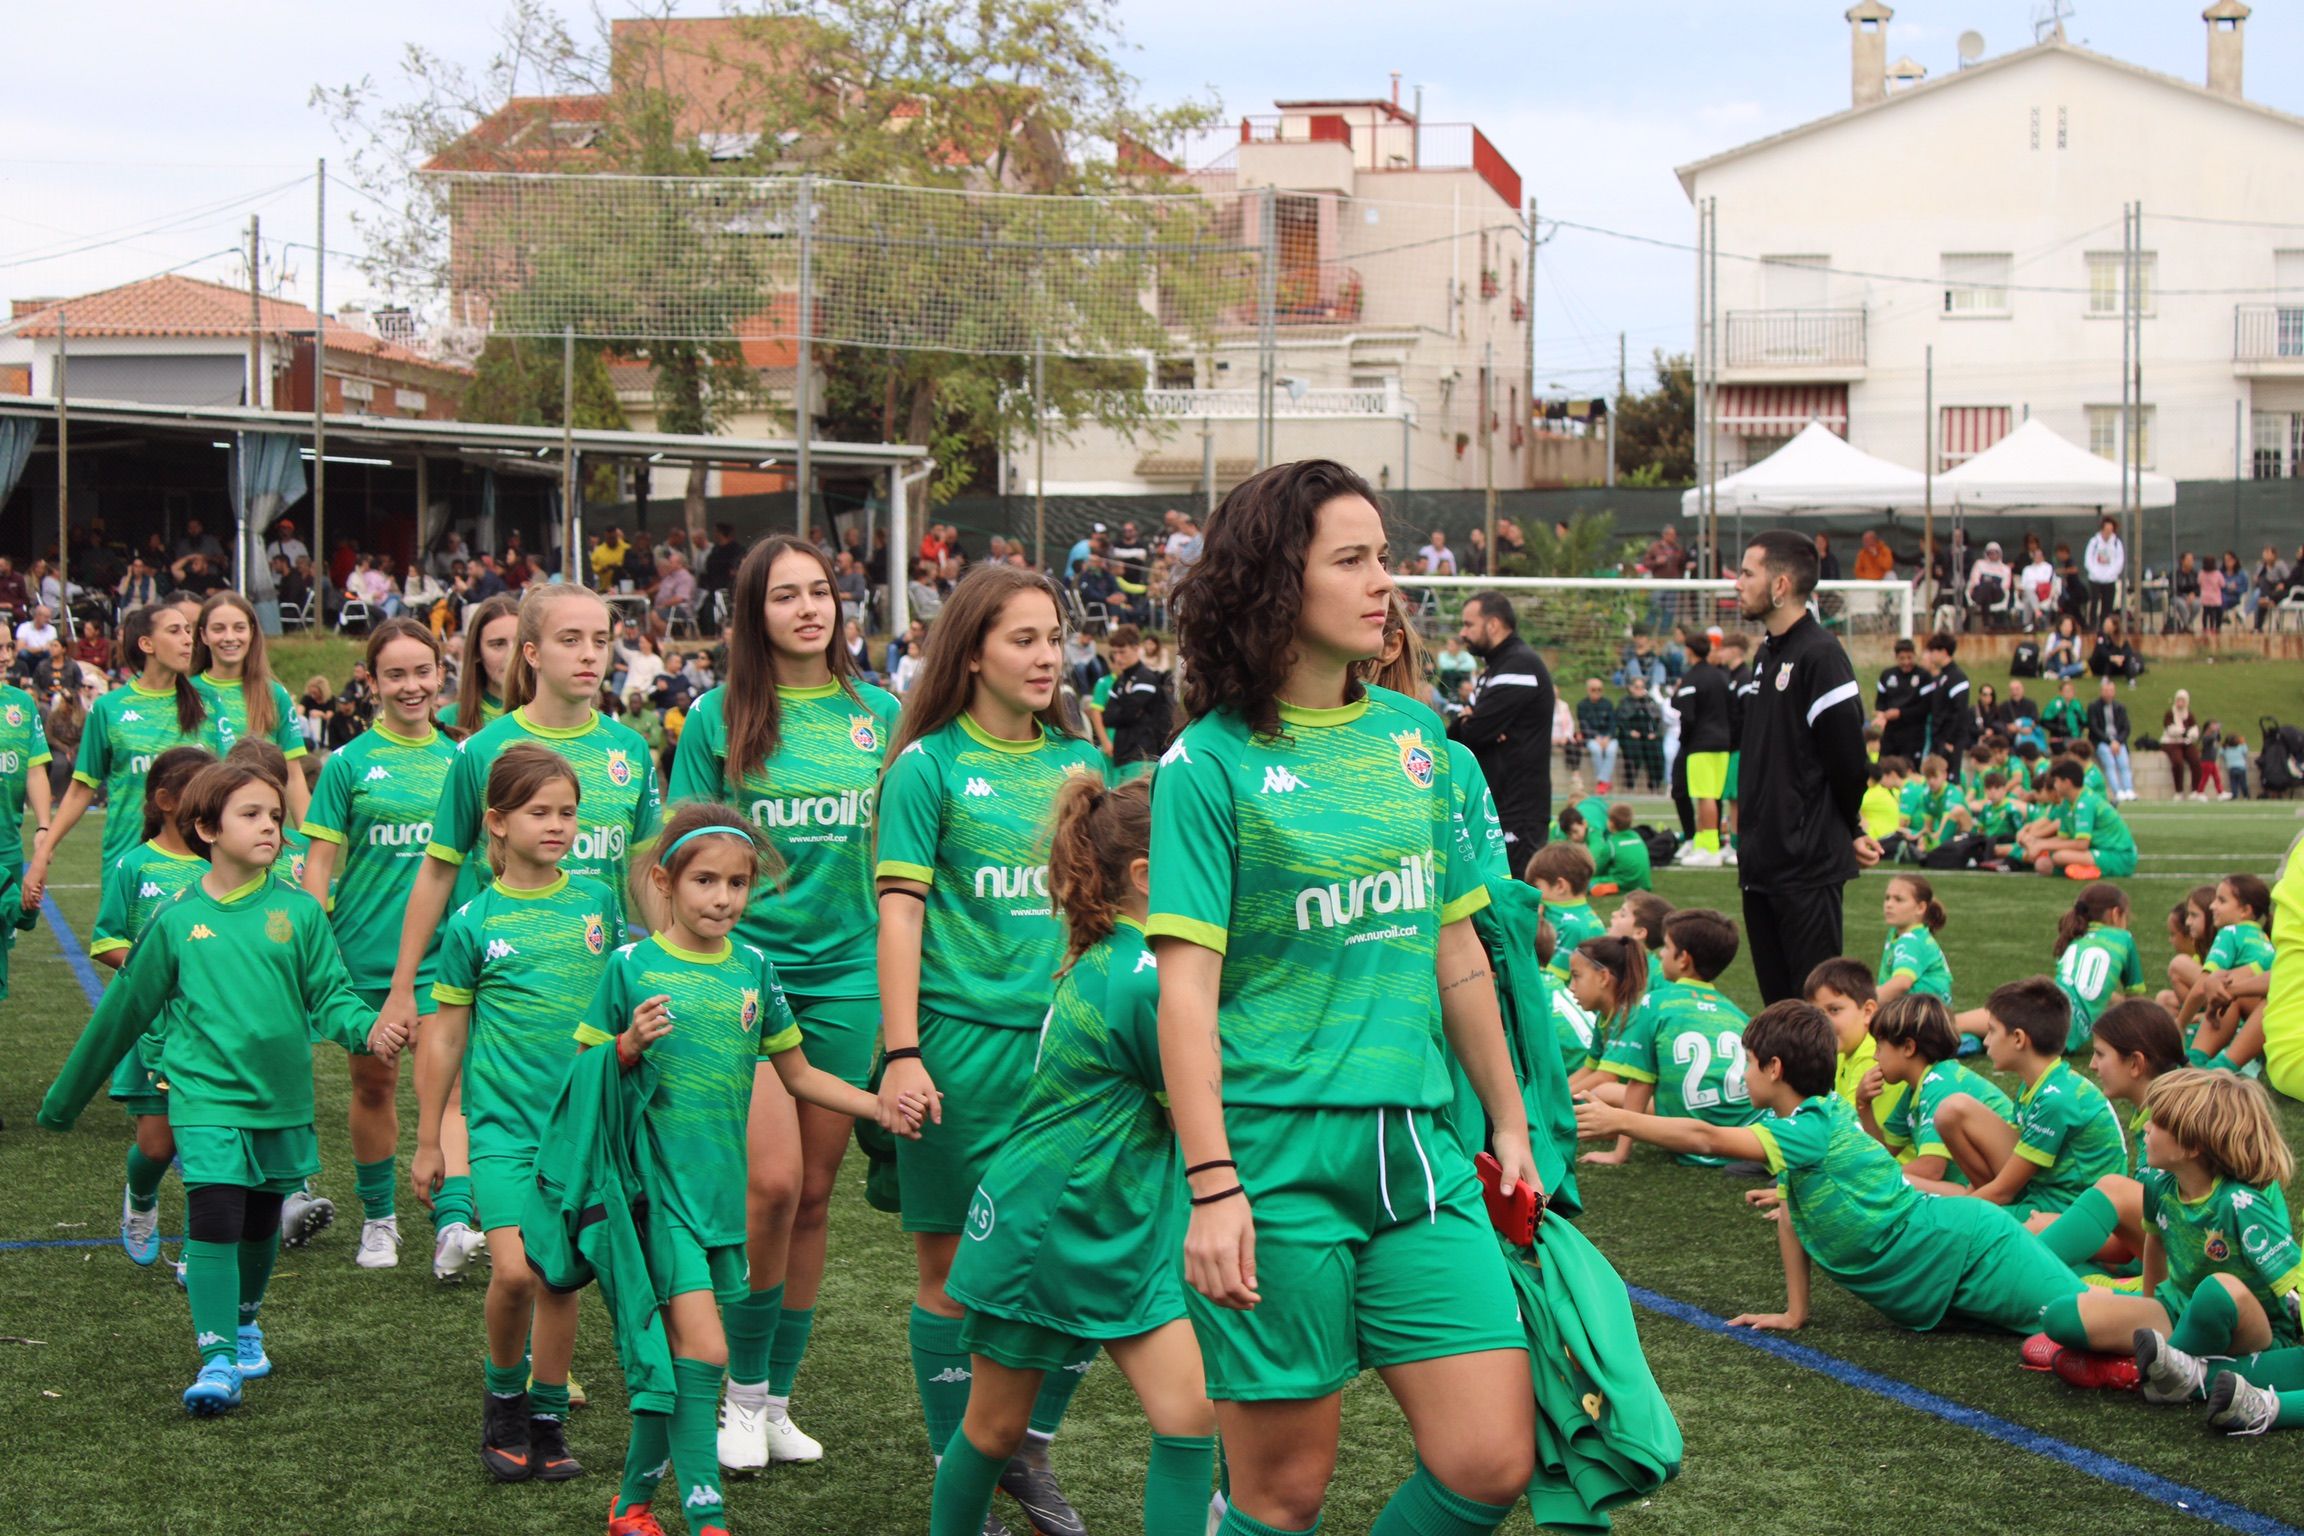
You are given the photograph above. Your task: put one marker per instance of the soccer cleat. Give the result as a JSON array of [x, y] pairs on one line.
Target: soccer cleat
[[743, 1436], [786, 1442], [2238, 1407], [379, 1243], [215, 1390], [2039, 1353], [178, 1266], [1031, 1482], [304, 1216], [2094, 1371], [995, 1526], [2170, 1375], [639, 1520], [452, 1252], [255, 1365], [548, 1452], [504, 1447], [1728, 857], [139, 1230]]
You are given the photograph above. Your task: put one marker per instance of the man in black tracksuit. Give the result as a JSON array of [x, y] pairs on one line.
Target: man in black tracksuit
[[1803, 773], [1951, 708], [1896, 706], [1138, 707], [1705, 704], [1508, 726]]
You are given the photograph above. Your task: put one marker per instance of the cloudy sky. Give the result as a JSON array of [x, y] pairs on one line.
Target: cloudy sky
[[161, 126]]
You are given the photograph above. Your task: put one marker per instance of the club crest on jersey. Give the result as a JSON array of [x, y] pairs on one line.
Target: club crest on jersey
[[619, 768], [864, 731], [279, 927], [2217, 1248], [15, 714], [751, 1014], [1415, 758], [296, 868], [595, 933], [1783, 677]]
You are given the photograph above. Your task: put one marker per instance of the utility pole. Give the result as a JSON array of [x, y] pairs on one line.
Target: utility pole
[[1928, 465], [2127, 426], [2136, 402], [1040, 454], [1267, 341], [64, 461], [1528, 355], [320, 383], [241, 530]]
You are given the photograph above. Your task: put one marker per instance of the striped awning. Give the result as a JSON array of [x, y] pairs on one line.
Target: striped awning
[[1779, 410], [1965, 431]]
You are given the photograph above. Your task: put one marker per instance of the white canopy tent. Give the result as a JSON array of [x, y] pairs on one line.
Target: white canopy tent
[[1817, 471], [2033, 467]]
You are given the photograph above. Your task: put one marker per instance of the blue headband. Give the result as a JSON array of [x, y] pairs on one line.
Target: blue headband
[[664, 859]]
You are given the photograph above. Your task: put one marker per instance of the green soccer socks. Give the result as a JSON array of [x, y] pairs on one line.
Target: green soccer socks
[[212, 1285], [255, 1273], [751, 1326], [1057, 1387], [548, 1400], [1238, 1524], [1176, 1485], [452, 1204], [2078, 1234], [2208, 1320], [1424, 1506], [793, 1325], [695, 1435], [505, 1380], [965, 1478], [373, 1183], [144, 1176], [645, 1458], [2061, 1321], [940, 1367], [2280, 1369]]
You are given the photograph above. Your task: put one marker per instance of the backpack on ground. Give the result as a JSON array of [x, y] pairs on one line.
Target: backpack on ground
[[2025, 660], [2280, 763]]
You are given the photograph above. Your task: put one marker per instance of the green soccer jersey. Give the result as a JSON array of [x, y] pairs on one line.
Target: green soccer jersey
[[619, 812], [966, 814], [2067, 1129], [2240, 947], [1911, 811], [1936, 808], [1594, 810], [1476, 816], [375, 801], [1628, 863], [1574, 1029], [2093, 779], [2094, 819], [2095, 971], [1913, 1121], [288, 863], [525, 963], [2234, 1230], [1846, 1195], [1916, 953], [1321, 863], [1687, 1039], [1999, 819], [813, 803], [125, 730], [1573, 921], [728, 1015], [136, 886], [491, 711], [23, 752], [1078, 1220], [236, 990], [227, 701]]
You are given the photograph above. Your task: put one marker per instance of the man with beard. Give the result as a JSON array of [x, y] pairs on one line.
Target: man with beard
[[1508, 725], [1804, 772]]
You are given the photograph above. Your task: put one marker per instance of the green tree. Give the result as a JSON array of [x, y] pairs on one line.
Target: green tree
[[1581, 628], [1656, 431]]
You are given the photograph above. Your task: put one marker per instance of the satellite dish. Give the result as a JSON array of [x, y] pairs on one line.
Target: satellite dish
[[1971, 46]]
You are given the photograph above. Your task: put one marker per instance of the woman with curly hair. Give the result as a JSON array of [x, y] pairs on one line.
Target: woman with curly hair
[[1301, 1023]]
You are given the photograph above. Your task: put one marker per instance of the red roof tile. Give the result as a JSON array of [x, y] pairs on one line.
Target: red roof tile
[[176, 305]]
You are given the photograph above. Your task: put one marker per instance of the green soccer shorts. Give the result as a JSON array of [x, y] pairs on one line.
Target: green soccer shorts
[[2114, 864], [1735, 775], [1372, 1249], [683, 1263], [135, 1089], [840, 1034], [277, 1162], [500, 1187], [981, 1070], [2173, 1299], [1016, 1345], [2010, 1277]]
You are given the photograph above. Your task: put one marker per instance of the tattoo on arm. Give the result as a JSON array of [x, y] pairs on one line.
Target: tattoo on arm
[[1468, 976]]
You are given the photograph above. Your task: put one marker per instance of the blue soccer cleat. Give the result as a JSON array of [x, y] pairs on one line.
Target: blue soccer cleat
[[255, 1365], [215, 1391], [140, 1231]]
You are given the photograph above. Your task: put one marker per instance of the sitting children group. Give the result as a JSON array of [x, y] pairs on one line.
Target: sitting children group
[[2010, 808]]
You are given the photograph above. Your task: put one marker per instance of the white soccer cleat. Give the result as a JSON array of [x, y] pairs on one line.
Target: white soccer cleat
[[453, 1250], [303, 1216], [2169, 1374], [379, 1243], [1698, 858], [786, 1442], [2238, 1407], [743, 1436]]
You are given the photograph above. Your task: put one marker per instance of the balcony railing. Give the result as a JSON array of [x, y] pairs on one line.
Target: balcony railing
[[1241, 404], [1394, 144], [1784, 338], [2264, 333]]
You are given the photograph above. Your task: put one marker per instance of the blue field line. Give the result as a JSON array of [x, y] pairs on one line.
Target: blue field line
[[2096, 1464], [74, 956], [71, 1242]]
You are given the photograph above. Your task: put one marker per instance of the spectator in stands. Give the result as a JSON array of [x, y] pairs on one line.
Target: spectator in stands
[[2105, 560], [2062, 658], [2108, 733], [904, 644], [2267, 584], [197, 540], [1078, 555], [2018, 707], [140, 588], [2180, 739], [284, 545], [908, 668], [1596, 723], [1990, 716], [92, 645], [1474, 559], [1511, 543], [1640, 729], [372, 583], [486, 581], [697, 672], [1130, 555], [446, 556], [1665, 559], [1454, 666], [860, 651], [1827, 562], [1989, 580], [1098, 586], [2184, 594], [1439, 559], [642, 666], [927, 597], [848, 581], [197, 574], [1184, 543], [2066, 718], [2214, 589], [2235, 587], [607, 558], [1875, 561], [721, 563], [36, 647], [2115, 655], [676, 587], [2035, 586], [41, 580]]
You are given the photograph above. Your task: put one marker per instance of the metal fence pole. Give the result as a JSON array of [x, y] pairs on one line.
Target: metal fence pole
[[803, 368], [1040, 454], [320, 385], [571, 557], [1267, 341], [63, 456]]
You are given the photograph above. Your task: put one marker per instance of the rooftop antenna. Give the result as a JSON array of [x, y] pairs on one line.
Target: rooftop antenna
[[2048, 20], [1971, 48]]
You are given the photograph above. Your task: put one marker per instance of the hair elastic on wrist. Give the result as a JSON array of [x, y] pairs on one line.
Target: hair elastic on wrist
[[1219, 1162], [1222, 1194], [901, 1053], [664, 858]]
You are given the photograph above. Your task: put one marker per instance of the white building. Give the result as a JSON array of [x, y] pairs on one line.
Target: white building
[[1980, 214]]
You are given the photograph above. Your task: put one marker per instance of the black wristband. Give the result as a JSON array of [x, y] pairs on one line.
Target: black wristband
[[1220, 1162], [901, 1053], [1222, 1194]]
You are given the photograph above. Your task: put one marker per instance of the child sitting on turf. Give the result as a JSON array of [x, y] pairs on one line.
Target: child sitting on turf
[[1679, 1049], [2221, 1264], [1842, 990], [1627, 863], [1911, 960], [1586, 823], [1878, 812], [1846, 1207], [1607, 980], [2089, 830], [2096, 962], [2137, 1043], [1916, 1050], [2241, 908], [1941, 804], [1562, 875], [2066, 1134], [1641, 916], [2191, 934], [1998, 819], [235, 978]]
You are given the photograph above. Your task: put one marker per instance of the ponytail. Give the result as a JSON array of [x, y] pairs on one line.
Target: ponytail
[[1625, 963], [1098, 834], [191, 711], [2251, 892], [2097, 904], [1932, 914]]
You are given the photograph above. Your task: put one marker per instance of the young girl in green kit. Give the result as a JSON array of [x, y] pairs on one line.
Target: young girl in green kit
[[706, 1010], [1072, 1234], [241, 974]]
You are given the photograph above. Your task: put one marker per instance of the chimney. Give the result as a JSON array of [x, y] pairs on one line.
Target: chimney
[[2225, 20], [1868, 51], [1906, 74]]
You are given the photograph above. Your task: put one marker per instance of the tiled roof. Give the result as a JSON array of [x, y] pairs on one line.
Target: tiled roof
[[187, 306], [530, 133]]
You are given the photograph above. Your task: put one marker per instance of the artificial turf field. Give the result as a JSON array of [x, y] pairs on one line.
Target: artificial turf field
[[370, 1421]]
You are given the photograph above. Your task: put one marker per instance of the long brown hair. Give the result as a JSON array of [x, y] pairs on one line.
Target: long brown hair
[[170, 772], [1401, 666], [404, 629], [749, 707], [1932, 916], [1098, 833], [2096, 904], [1237, 607], [2141, 1027], [519, 772], [519, 677], [255, 671], [472, 674], [941, 694], [191, 711]]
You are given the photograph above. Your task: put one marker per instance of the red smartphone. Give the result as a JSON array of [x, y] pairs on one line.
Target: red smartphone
[[1516, 1215]]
